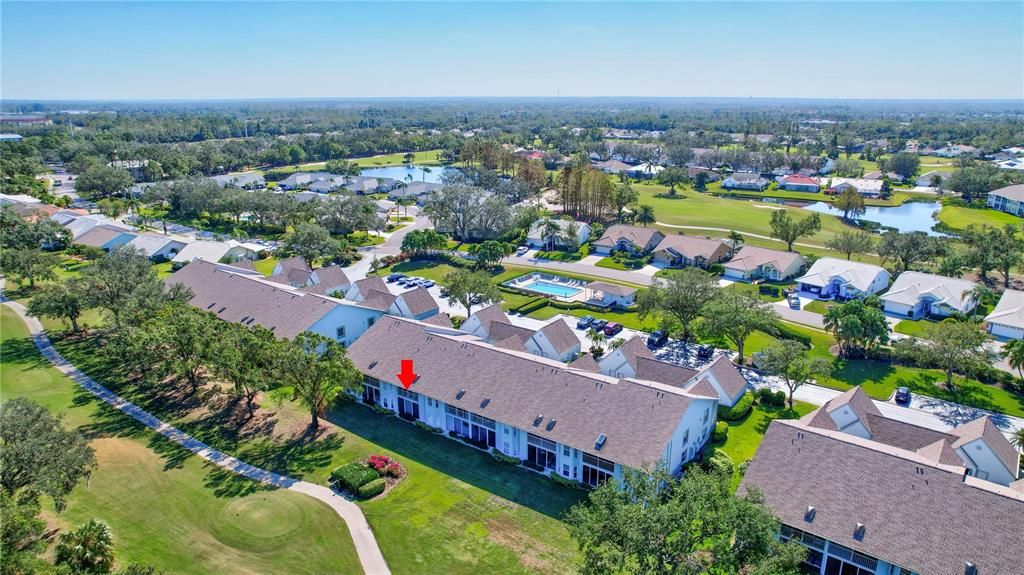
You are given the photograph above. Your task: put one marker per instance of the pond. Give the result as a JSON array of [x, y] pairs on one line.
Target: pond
[[909, 217], [418, 173]]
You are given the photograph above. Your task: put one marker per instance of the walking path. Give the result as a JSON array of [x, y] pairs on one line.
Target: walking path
[[366, 545]]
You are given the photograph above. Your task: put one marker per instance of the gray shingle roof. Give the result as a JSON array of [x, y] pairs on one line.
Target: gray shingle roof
[[419, 301], [638, 236], [99, 236], [692, 247], [921, 515], [370, 283], [727, 375], [379, 300], [560, 335], [638, 418]]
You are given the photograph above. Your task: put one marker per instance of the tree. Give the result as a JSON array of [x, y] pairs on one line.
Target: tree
[[657, 524], [88, 549], [39, 456], [186, 337], [850, 202], [981, 294], [124, 284], [550, 231], [247, 357], [311, 242], [788, 361], [735, 316], [468, 287], [100, 181], [788, 229], [621, 196], [990, 248], [905, 249], [22, 534], [489, 254], [700, 181], [64, 301], [420, 242], [673, 177], [1014, 354], [1017, 438], [29, 265], [571, 236], [857, 327], [952, 346], [902, 163], [596, 339], [644, 215], [851, 242], [318, 370], [681, 296]]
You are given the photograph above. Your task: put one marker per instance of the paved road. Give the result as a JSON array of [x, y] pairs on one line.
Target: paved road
[[366, 545], [798, 315]]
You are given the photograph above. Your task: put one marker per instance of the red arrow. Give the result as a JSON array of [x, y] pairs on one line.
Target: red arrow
[[407, 375]]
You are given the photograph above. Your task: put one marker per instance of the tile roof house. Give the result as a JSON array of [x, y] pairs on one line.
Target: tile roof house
[[866, 188], [105, 237], [751, 263], [1007, 319], [575, 423], [243, 296], [243, 180], [917, 294], [831, 478], [216, 251], [831, 278], [632, 239], [157, 247], [682, 251], [798, 183], [745, 181], [1009, 199]]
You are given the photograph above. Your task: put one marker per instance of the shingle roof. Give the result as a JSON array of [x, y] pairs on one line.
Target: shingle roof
[[704, 389], [586, 361], [1014, 192], [910, 286], [693, 247], [637, 418], [152, 244], [560, 335], [378, 300], [418, 301], [856, 274], [984, 428], [239, 296], [486, 316], [370, 283], [662, 371], [752, 257], [614, 289], [1009, 311], [99, 236], [745, 177], [294, 263], [332, 276], [500, 331], [440, 319], [635, 235], [727, 375], [924, 516]]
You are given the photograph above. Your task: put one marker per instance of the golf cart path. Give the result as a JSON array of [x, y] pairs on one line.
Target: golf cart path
[[366, 545], [815, 246]]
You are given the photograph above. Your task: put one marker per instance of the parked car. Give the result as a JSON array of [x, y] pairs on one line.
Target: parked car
[[903, 395], [612, 328], [598, 324], [395, 277], [522, 250], [584, 322], [705, 352], [657, 339], [427, 283]]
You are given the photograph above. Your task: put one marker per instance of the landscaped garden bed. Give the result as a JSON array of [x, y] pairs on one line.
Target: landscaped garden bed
[[368, 478]]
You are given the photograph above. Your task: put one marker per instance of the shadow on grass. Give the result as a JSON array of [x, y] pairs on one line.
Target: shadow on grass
[[456, 460], [22, 352]]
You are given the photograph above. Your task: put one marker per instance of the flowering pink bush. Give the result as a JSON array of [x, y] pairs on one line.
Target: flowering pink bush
[[393, 470], [380, 462]]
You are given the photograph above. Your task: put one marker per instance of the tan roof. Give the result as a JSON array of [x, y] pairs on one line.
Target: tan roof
[[753, 257], [1014, 192], [693, 247], [419, 300], [99, 236], [984, 428], [637, 418], [379, 300], [728, 376], [637, 236], [243, 298], [613, 289], [440, 319], [560, 335], [921, 515], [369, 283]]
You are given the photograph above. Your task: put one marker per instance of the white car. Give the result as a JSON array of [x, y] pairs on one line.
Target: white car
[[522, 250]]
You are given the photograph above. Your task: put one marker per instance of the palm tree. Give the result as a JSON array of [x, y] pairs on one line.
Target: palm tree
[[550, 231], [596, 339], [89, 549], [644, 215], [980, 293], [1014, 354], [1017, 439]]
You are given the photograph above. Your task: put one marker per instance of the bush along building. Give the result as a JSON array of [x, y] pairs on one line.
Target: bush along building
[[575, 423]]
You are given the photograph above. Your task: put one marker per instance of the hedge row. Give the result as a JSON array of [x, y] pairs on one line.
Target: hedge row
[[427, 427], [565, 482], [352, 476], [786, 332], [771, 398], [505, 458], [738, 411], [371, 488]]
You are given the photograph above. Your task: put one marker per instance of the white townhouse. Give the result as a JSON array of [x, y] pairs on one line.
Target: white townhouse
[[243, 180], [536, 238], [244, 296], [578, 424], [1009, 199], [870, 495], [833, 278], [1007, 319], [556, 340], [753, 263], [917, 294]]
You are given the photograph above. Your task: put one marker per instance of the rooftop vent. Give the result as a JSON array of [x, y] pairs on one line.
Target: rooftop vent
[[372, 364], [551, 424], [211, 305], [600, 441], [858, 533], [221, 310], [537, 420], [460, 394], [970, 569], [485, 402], [809, 514]]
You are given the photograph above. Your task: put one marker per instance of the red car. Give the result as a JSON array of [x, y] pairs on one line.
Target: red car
[[612, 328]]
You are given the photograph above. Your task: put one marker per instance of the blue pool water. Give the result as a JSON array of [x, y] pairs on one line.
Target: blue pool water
[[418, 173], [549, 288]]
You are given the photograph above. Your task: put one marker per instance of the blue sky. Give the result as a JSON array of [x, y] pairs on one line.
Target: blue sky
[[80, 50]]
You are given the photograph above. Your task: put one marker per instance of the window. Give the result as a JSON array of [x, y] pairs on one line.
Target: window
[[565, 450], [408, 404], [471, 426], [341, 332], [541, 452], [706, 415], [565, 469], [596, 470]]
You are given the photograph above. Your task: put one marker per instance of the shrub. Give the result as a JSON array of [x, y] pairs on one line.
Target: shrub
[[742, 467], [716, 269], [352, 476], [429, 428], [504, 458], [565, 482], [786, 332], [371, 489], [532, 306], [719, 461], [379, 462], [393, 470], [780, 398], [382, 410], [765, 396], [721, 432], [738, 411], [768, 290]]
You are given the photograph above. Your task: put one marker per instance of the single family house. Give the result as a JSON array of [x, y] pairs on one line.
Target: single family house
[[799, 183], [754, 263], [679, 251], [105, 237], [157, 247], [917, 294], [745, 181], [833, 278], [536, 236], [866, 188], [1007, 319], [216, 251], [632, 239]]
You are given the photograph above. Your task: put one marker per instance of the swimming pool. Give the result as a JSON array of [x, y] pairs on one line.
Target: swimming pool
[[549, 288]]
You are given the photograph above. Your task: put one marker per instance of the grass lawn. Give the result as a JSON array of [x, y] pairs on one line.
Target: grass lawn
[[914, 327], [360, 239], [458, 511], [958, 217], [611, 264], [166, 508], [265, 266], [427, 158], [754, 291], [745, 435], [819, 306]]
